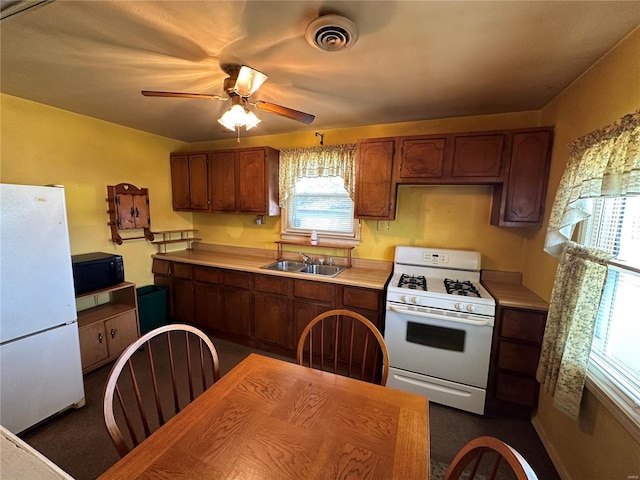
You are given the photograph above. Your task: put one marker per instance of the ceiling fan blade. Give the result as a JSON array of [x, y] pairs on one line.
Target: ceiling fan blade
[[248, 81], [151, 93], [284, 111]]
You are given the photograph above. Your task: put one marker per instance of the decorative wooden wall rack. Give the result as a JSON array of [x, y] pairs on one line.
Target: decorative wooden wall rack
[[128, 209]]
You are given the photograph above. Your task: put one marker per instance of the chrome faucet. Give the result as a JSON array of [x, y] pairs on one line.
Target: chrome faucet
[[306, 258]]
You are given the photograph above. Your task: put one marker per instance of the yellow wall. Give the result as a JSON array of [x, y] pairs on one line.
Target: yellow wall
[[41, 145], [609, 90]]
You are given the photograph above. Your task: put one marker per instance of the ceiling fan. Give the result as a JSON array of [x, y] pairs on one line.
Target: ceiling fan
[[241, 83]]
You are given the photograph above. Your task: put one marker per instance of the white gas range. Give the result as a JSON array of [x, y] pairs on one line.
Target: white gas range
[[439, 326]]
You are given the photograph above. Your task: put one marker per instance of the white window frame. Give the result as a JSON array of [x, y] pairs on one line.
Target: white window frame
[[326, 238], [616, 395]]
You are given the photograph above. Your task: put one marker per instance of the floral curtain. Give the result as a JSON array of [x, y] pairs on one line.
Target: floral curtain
[[325, 161], [604, 163], [566, 346]]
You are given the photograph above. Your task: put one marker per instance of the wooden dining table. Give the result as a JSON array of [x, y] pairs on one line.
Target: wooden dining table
[[271, 419]]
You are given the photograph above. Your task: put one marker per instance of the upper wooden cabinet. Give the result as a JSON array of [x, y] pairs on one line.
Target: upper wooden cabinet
[[478, 157], [222, 181], [519, 201], [244, 181], [189, 182], [421, 158], [451, 159], [227, 181], [375, 188]]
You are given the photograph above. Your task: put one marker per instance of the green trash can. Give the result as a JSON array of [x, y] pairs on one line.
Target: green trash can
[[152, 307]]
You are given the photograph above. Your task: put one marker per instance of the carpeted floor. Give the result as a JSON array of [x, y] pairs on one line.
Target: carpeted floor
[[78, 442]]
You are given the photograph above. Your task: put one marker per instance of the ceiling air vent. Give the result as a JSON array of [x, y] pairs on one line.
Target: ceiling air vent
[[331, 33]]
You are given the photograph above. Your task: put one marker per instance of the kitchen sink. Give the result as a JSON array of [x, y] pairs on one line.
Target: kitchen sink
[[285, 266], [299, 267], [327, 270]]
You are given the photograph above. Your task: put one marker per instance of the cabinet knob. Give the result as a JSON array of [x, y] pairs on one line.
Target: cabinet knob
[[99, 338], [113, 333]]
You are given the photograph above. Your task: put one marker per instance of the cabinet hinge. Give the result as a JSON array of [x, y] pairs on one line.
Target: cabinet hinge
[[117, 199], [118, 224]]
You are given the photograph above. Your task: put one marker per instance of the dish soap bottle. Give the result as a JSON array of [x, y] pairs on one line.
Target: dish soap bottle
[[314, 238]]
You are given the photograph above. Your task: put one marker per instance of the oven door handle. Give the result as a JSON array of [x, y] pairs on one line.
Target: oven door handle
[[484, 322]]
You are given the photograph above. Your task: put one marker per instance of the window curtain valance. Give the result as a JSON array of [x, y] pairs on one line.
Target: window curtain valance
[[314, 162], [604, 163]]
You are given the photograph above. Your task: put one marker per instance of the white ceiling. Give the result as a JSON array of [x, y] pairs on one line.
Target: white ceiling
[[413, 60]]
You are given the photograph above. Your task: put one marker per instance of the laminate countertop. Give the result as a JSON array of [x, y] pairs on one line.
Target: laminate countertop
[[508, 291], [364, 273]]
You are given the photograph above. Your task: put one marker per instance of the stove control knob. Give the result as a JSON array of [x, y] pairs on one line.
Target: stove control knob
[[458, 306], [403, 298], [471, 308], [414, 300]]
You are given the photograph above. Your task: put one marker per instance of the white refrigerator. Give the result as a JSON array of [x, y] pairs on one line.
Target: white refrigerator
[[40, 367]]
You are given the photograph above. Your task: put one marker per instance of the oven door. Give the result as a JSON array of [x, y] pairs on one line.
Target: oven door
[[447, 345]]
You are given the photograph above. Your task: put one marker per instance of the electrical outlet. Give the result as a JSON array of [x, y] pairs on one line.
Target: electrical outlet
[[383, 225]]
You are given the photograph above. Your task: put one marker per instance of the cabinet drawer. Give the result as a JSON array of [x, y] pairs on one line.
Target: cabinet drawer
[[515, 389], [161, 267], [523, 325], [361, 298], [518, 358], [182, 270], [206, 274], [312, 290], [236, 279], [270, 284]]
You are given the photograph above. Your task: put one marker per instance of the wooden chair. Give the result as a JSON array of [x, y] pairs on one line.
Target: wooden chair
[[346, 343], [185, 360], [487, 458]]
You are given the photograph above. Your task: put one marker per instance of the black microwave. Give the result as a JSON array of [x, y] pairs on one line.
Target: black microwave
[[97, 270]]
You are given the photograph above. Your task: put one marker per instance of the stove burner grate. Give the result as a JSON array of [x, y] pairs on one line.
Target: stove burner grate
[[413, 282], [464, 288]]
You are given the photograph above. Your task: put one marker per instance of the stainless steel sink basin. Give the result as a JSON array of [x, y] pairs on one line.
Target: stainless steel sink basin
[[285, 266], [299, 267], [327, 270]]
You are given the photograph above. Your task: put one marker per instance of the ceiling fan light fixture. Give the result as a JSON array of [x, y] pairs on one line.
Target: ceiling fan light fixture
[[248, 81], [238, 116]]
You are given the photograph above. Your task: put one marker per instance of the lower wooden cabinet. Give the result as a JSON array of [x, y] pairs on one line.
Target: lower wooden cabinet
[[109, 327], [262, 311], [518, 333]]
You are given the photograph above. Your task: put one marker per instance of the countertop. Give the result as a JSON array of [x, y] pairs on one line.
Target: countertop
[[364, 273], [508, 291]]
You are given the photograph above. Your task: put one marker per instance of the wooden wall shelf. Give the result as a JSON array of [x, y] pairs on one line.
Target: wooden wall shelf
[[185, 235]]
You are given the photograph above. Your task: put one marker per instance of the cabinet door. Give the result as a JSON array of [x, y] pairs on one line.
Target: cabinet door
[[180, 182], [252, 181], [421, 158], [478, 156], [207, 305], [236, 310], [121, 331], [142, 219], [222, 179], [520, 200], [182, 296], [93, 344], [375, 189], [271, 319], [198, 191], [189, 182]]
